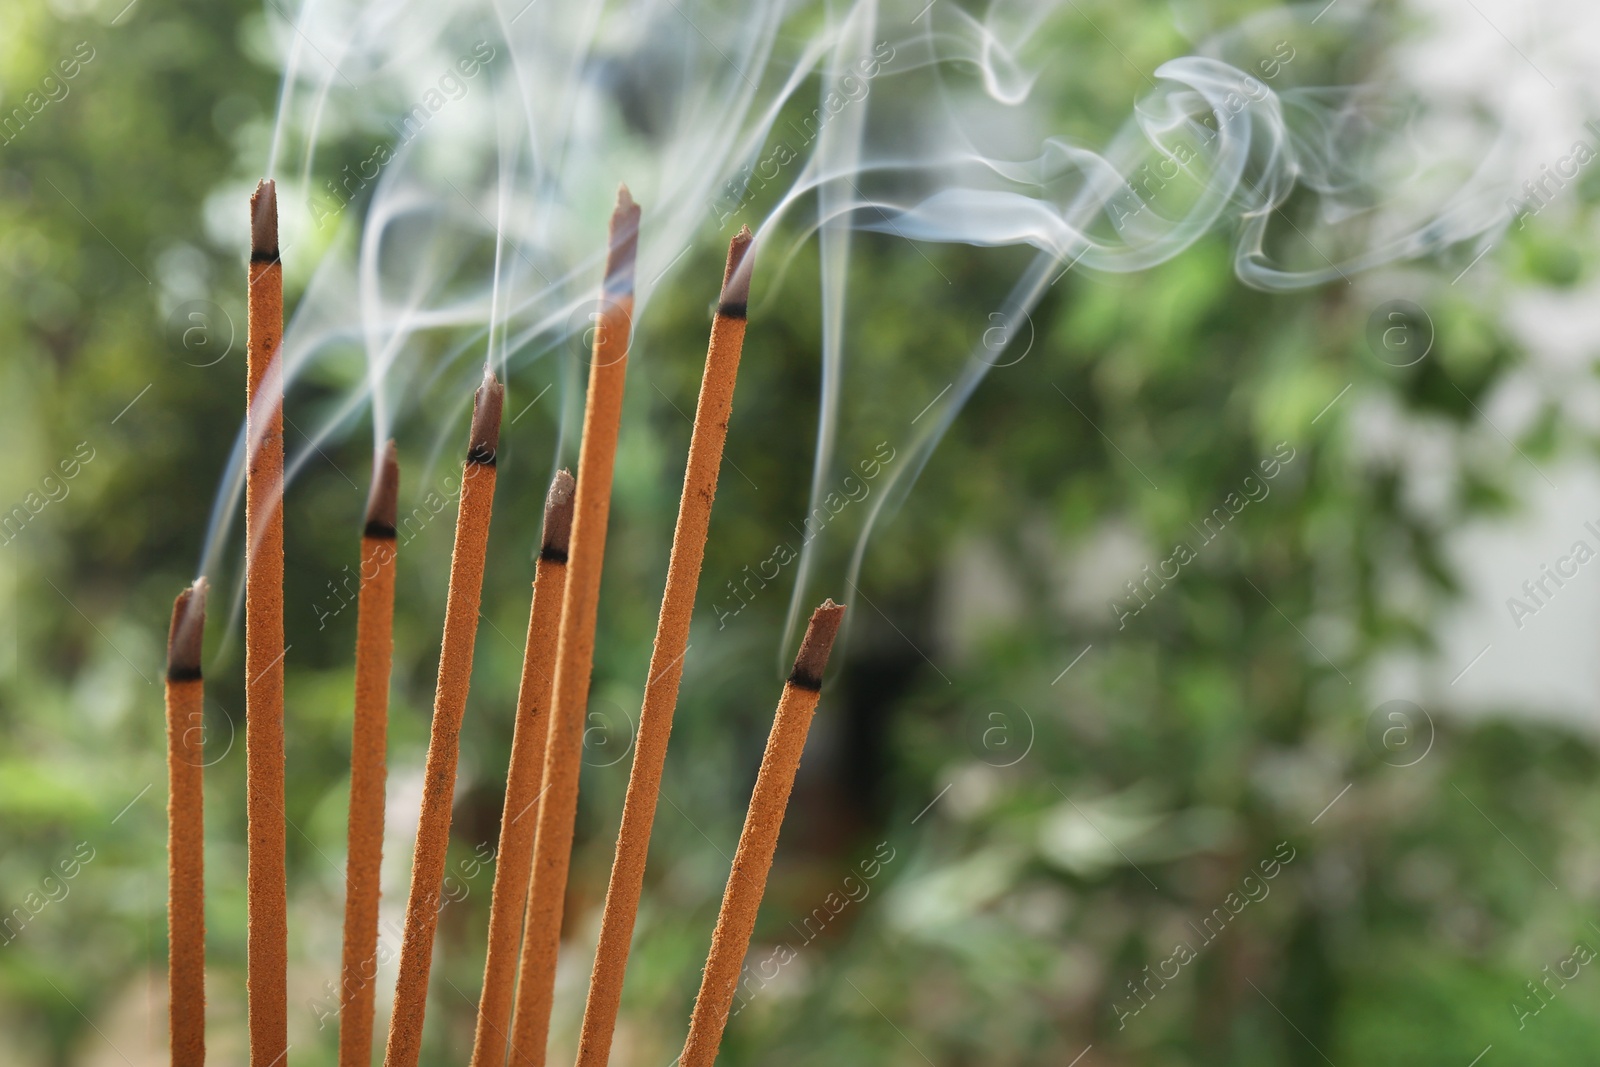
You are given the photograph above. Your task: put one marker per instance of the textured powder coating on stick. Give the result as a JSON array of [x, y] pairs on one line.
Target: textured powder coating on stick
[[758, 842], [486, 406], [383, 502], [558, 518], [712, 412], [812, 660], [368, 746], [519, 816], [186, 904], [264, 221], [552, 851], [267, 938], [735, 298], [444, 743]]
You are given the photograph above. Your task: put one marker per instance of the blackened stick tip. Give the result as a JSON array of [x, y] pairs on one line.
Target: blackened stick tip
[[383, 502], [818, 643], [736, 277], [188, 628], [264, 220], [623, 246], [486, 406], [558, 517]]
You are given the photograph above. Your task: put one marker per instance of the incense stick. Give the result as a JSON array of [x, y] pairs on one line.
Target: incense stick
[[368, 741], [186, 865], [450, 702], [552, 850], [267, 948], [759, 839], [666, 659], [518, 818]]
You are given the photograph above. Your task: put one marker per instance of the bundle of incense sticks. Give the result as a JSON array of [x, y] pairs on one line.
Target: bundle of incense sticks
[[513, 864], [536, 832]]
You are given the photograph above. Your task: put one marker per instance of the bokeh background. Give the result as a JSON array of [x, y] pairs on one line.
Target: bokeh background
[[1050, 798]]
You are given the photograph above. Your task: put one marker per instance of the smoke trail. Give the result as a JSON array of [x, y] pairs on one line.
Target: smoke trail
[[447, 166]]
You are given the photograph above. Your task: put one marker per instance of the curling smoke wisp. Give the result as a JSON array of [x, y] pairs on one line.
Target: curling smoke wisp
[[444, 169]]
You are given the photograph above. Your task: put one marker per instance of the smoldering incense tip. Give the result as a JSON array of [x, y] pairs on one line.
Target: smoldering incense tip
[[383, 503], [188, 627], [813, 657], [558, 517], [486, 407], [624, 244], [736, 278], [264, 221]]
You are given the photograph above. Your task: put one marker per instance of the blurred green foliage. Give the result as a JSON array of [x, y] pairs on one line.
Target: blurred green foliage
[[1041, 836]]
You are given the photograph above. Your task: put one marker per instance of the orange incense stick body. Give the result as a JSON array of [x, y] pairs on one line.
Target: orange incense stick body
[[186, 865], [267, 947], [444, 741], [758, 841], [552, 850], [368, 745]]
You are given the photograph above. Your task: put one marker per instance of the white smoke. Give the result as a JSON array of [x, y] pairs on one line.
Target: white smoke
[[489, 141]]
